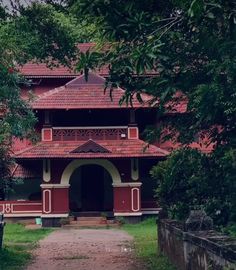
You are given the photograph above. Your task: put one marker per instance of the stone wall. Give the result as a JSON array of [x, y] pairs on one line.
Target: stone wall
[[198, 250]]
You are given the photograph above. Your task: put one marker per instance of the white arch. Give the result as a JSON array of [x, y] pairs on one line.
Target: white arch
[[106, 164]]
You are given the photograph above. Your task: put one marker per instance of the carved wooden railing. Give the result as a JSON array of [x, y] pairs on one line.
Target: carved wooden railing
[[86, 133]]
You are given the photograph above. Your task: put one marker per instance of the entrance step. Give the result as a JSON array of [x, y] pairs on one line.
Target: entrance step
[[79, 219], [91, 222], [98, 226]]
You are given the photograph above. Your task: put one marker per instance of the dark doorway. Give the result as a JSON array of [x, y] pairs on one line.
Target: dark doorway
[[91, 189]]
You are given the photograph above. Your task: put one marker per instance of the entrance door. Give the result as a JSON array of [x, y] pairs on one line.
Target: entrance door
[[91, 189]]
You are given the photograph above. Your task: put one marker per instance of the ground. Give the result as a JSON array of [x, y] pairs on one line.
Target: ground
[[17, 245], [145, 245], [85, 249], [130, 247]]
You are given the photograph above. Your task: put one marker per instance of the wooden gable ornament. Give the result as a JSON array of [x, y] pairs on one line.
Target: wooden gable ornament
[[90, 147], [93, 79]]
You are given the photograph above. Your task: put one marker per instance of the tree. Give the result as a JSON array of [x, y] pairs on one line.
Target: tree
[[33, 33], [186, 46], [191, 45], [189, 179]]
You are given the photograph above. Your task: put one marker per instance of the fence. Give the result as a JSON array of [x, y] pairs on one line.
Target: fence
[[197, 250]]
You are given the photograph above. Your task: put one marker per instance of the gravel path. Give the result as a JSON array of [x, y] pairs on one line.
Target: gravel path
[[85, 249]]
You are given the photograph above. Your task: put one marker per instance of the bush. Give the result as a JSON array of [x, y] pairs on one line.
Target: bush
[[189, 179]]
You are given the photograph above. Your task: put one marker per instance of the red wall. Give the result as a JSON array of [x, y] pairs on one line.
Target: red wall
[[127, 199], [57, 168], [60, 202], [122, 199]]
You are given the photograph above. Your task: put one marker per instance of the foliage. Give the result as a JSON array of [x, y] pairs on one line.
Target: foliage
[[181, 181], [18, 243], [231, 230], [27, 33], [16, 119], [145, 244], [184, 45], [17, 233], [5, 165], [189, 48], [189, 44], [189, 179], [14, 258]]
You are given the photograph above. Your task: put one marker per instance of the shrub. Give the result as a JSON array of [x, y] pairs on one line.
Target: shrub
[[189, 179]]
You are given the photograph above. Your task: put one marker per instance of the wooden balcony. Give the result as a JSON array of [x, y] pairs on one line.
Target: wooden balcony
[[86, 133], [89, 133]]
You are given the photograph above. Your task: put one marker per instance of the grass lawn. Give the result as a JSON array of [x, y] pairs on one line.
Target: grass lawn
[[145, 244], [18, 242]]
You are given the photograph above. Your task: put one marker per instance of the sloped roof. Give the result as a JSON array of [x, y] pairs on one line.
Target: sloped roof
[[117, 149], [20, 171], [82, 94], [33, 70], [41, 70]]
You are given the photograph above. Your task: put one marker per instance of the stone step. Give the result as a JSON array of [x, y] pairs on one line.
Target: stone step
[[89, 223], [89, 219], [78, 226], [101, 226], [92, 222]]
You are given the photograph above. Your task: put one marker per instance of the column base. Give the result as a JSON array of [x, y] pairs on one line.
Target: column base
[[51, 222], [131, 218], [127, 214]]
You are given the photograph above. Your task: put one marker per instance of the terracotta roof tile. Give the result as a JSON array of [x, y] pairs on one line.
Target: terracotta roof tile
[[122, 148], [41, 70], [79, 94], [34, 70], [19, 171]]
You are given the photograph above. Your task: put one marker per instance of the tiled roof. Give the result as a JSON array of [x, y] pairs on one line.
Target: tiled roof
[[19, 171], [79, 94], [117, 149], [40, 70], [33, 70]]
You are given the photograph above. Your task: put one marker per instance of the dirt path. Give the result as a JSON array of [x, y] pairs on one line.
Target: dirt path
[[85, 249]]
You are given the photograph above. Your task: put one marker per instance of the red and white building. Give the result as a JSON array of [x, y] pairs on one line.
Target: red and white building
[[90, 157]]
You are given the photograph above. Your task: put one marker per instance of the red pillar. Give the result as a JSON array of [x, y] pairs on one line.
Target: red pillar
[[127, 199], [55, 200]]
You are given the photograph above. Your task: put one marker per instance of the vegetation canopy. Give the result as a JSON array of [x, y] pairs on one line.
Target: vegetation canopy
[[38, 33], [175, 50], [188, 48]]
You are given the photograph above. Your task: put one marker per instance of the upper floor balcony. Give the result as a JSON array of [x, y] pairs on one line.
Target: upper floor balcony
[[89, 133]]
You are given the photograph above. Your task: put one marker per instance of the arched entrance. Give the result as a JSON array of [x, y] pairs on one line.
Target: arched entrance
[[90, 189], [91, 183]]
